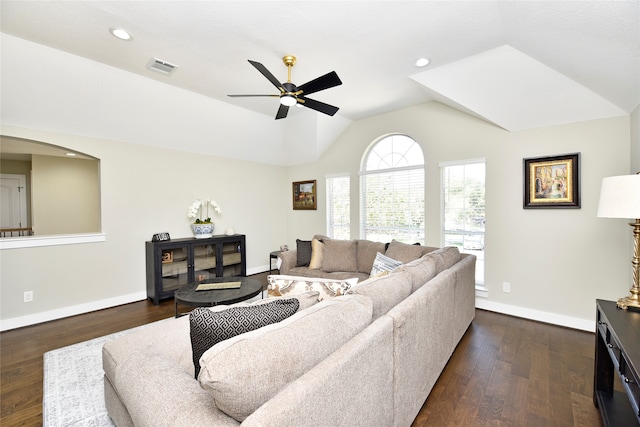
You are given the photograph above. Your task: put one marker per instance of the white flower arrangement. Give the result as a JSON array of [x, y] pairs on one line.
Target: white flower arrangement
[[198, 208]]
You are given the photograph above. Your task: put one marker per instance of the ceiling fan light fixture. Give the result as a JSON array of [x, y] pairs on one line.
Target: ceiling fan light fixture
[[288, 100]]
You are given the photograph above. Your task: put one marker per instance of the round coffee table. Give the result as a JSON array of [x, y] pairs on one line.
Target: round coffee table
[[187, 295]]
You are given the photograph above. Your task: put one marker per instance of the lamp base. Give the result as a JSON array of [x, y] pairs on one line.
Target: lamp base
[[629, 301]]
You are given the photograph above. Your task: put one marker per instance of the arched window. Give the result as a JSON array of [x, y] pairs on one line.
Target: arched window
[[392, 190]]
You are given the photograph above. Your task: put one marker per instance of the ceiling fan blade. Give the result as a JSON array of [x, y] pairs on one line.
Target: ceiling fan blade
[[282, 112], [323, 82], [241, 96], [267, 74], [319, 106]]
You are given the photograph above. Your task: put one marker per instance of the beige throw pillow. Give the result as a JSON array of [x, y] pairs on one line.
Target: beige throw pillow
[[403, 252], [339, 255], [317, 254]]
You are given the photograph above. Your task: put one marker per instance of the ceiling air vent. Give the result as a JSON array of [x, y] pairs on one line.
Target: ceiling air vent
[[161, 66]]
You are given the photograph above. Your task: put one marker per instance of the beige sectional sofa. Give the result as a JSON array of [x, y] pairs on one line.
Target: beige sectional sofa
[[343, 259], [366, 358]]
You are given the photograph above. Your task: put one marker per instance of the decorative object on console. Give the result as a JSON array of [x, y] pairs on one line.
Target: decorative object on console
[[304, 195], [620, 198], [160, 237], [229, 231], [203, 226], [552, 182]]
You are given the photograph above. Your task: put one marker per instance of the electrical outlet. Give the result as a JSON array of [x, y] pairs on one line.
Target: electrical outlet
[[506, 287], [28, 296]]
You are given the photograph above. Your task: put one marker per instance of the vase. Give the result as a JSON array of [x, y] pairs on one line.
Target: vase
[[202, 231]]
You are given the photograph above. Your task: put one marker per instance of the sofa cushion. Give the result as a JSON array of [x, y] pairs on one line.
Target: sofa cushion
[[244, 372], [339, 255], [317, 254], [282, 285], [303, 249], [366, 253], [209, 327], [385, 291], [445, 257], [403, 252], [421, 270], [383, 264]]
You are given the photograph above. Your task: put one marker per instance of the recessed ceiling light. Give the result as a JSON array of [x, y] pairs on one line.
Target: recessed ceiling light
[[120, 33], [70, 154], [422, 62]]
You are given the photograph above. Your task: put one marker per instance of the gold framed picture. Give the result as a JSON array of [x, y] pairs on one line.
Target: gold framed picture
[[552, 182], [304, 195]]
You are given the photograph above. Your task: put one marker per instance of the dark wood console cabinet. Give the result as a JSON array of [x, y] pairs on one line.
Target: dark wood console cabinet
[[174, 263], [617, 353]]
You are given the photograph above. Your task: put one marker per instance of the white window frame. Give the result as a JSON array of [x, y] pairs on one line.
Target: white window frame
[[387, 233], [332, 223], [480, 263]]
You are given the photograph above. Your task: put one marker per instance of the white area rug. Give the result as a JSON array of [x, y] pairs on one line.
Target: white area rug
[[73, 385]]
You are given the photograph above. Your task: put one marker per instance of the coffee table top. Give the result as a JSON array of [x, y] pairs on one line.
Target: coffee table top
[[187, 295]]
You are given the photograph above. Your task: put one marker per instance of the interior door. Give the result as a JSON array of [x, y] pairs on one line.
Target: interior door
[[13, 205]]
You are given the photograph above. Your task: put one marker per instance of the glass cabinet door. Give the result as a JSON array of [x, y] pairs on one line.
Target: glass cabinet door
[[175, 267], [204, 262], [232, 259]]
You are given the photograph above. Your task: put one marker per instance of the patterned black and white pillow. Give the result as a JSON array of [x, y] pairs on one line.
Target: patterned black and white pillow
[[211, 327]]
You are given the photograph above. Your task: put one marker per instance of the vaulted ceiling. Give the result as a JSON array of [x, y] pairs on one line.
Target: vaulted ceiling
[[517, 64]]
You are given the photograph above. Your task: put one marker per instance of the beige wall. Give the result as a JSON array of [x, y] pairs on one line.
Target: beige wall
[[144, 191], [557, 261], [66, 195]]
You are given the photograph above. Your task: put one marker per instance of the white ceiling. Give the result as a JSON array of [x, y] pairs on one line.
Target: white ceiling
[[518, 64]]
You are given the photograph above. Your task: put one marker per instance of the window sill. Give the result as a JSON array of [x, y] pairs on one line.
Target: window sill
[[482, 291], [56, 240]]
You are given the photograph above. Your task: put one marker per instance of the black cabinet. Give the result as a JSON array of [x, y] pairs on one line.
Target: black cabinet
[[174, 263], [616, 384]]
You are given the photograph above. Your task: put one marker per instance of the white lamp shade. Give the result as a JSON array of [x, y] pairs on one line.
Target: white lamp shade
[[620, 197]]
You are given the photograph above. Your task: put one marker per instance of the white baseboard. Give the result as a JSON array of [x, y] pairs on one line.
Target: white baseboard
[[537, 315], [261, 269], [46, 316]]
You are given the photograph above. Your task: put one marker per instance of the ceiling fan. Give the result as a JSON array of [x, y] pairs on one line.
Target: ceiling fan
[[290, 94]]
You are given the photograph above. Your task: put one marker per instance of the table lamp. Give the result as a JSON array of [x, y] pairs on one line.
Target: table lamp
[[620, 198]]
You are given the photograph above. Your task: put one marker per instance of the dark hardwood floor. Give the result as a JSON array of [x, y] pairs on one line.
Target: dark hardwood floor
[[508, 371], [505, 372]]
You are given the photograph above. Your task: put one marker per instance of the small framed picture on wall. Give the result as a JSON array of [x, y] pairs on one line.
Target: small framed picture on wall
[[304, 195]]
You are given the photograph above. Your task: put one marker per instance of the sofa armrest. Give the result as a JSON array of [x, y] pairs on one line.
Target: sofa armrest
[[288, 260], [157, 392]]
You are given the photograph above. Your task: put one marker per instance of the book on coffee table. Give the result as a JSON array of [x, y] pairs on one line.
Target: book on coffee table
[[220, 285]]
